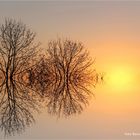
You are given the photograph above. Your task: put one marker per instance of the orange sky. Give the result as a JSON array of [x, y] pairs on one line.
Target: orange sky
[[110, 30]]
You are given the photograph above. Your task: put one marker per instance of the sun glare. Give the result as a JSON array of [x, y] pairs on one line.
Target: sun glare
[[121, 78]]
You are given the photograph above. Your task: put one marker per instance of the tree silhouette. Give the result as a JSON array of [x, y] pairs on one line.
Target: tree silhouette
[[66, 73], [41, 76], [17, 56], [61, 79]]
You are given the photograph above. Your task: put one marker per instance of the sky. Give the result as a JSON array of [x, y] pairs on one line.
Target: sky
[[110, 31]]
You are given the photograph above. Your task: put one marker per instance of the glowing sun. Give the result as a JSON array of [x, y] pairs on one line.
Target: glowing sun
[[121, 78]]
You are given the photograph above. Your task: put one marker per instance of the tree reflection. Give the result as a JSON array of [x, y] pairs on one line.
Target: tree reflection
[[61, 78], [17, 54], [64, 77], [17, 104]]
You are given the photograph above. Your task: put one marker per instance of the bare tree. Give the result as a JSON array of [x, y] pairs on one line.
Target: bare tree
[[17, 56], [70, 73], [62, 78], [17, 47]]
